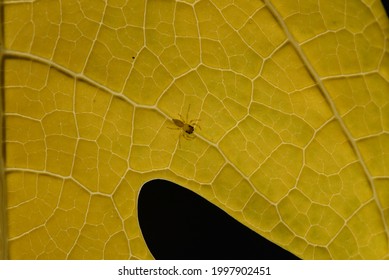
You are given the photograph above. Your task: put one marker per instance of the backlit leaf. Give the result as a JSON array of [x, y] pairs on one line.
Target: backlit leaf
[[293, 103]]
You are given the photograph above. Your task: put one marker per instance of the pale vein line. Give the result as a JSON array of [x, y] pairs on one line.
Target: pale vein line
[[8, 2], [327, 97]]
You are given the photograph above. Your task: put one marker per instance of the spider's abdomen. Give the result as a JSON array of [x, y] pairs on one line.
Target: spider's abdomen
[[178, 123]]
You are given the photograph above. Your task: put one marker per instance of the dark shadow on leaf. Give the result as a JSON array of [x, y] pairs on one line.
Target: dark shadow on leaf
[[179, 224]]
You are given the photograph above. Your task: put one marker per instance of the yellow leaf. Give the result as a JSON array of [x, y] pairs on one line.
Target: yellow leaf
[[293, 103]]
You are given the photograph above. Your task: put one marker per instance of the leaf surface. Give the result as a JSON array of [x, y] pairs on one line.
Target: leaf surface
[[293, 104]]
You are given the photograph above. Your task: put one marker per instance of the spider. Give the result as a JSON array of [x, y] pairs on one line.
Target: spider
[[187, 127]]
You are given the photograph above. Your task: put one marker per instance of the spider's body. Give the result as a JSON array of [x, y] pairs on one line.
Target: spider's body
[[187, 127]]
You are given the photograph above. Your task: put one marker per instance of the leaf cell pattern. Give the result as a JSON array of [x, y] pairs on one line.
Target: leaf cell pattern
[[294, 108]]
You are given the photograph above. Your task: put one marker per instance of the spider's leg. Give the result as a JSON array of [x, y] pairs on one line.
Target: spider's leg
[[187, 113], [179, 142], [188, 136], [194, 123], [182, 119]]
